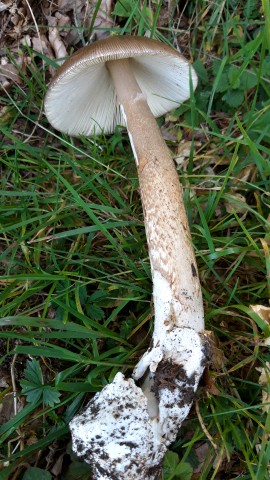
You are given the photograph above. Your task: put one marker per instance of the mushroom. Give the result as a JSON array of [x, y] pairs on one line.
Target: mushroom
[[129, 81]]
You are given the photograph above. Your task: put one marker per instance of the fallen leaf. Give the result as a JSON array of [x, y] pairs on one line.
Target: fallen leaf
[[184, 149], [264, 314], [264, 380], [4, 6], [56, 40], [262, 311], [103, 20], [67, 5], [202, 452], [58, 465], [236, 204], [210, 383], [8, 72], [41, 44]]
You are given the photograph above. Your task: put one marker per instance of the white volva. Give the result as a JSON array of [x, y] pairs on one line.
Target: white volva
[[127, 427]]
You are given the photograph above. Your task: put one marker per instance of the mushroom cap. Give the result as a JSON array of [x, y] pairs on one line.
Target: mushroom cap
[[81, 100]]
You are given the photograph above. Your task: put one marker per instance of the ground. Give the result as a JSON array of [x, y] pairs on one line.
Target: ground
[[75, 284]]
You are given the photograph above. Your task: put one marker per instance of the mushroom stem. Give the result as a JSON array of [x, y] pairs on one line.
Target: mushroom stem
[[126, 429], [176, 287]]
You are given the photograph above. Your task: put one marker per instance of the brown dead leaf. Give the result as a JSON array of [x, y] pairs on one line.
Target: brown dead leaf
[[55, 39], [236, 204], [4, 6], [183, 150], [19, 18], [103, 20], [41, 44], [262, 311], [14, 22], [63, 21], [246, 174], [8, 72], [58, 465], [264, 314], [7, 408], [32, 438], [218, 359], [264, 380], [209, 383], [68, 5], [202, 452]]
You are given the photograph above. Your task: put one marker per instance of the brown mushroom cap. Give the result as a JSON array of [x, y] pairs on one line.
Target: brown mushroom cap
[[81, 99]]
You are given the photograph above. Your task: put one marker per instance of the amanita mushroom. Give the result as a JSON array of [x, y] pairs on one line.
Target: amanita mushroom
[[126, 429]]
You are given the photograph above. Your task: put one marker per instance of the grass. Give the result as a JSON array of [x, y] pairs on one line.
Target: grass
[[75, 285]]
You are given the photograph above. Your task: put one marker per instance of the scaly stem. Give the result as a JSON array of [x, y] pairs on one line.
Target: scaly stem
[[125, 430], [176, 286]]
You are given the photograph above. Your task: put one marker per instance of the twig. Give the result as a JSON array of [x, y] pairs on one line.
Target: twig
[[204, 429]]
